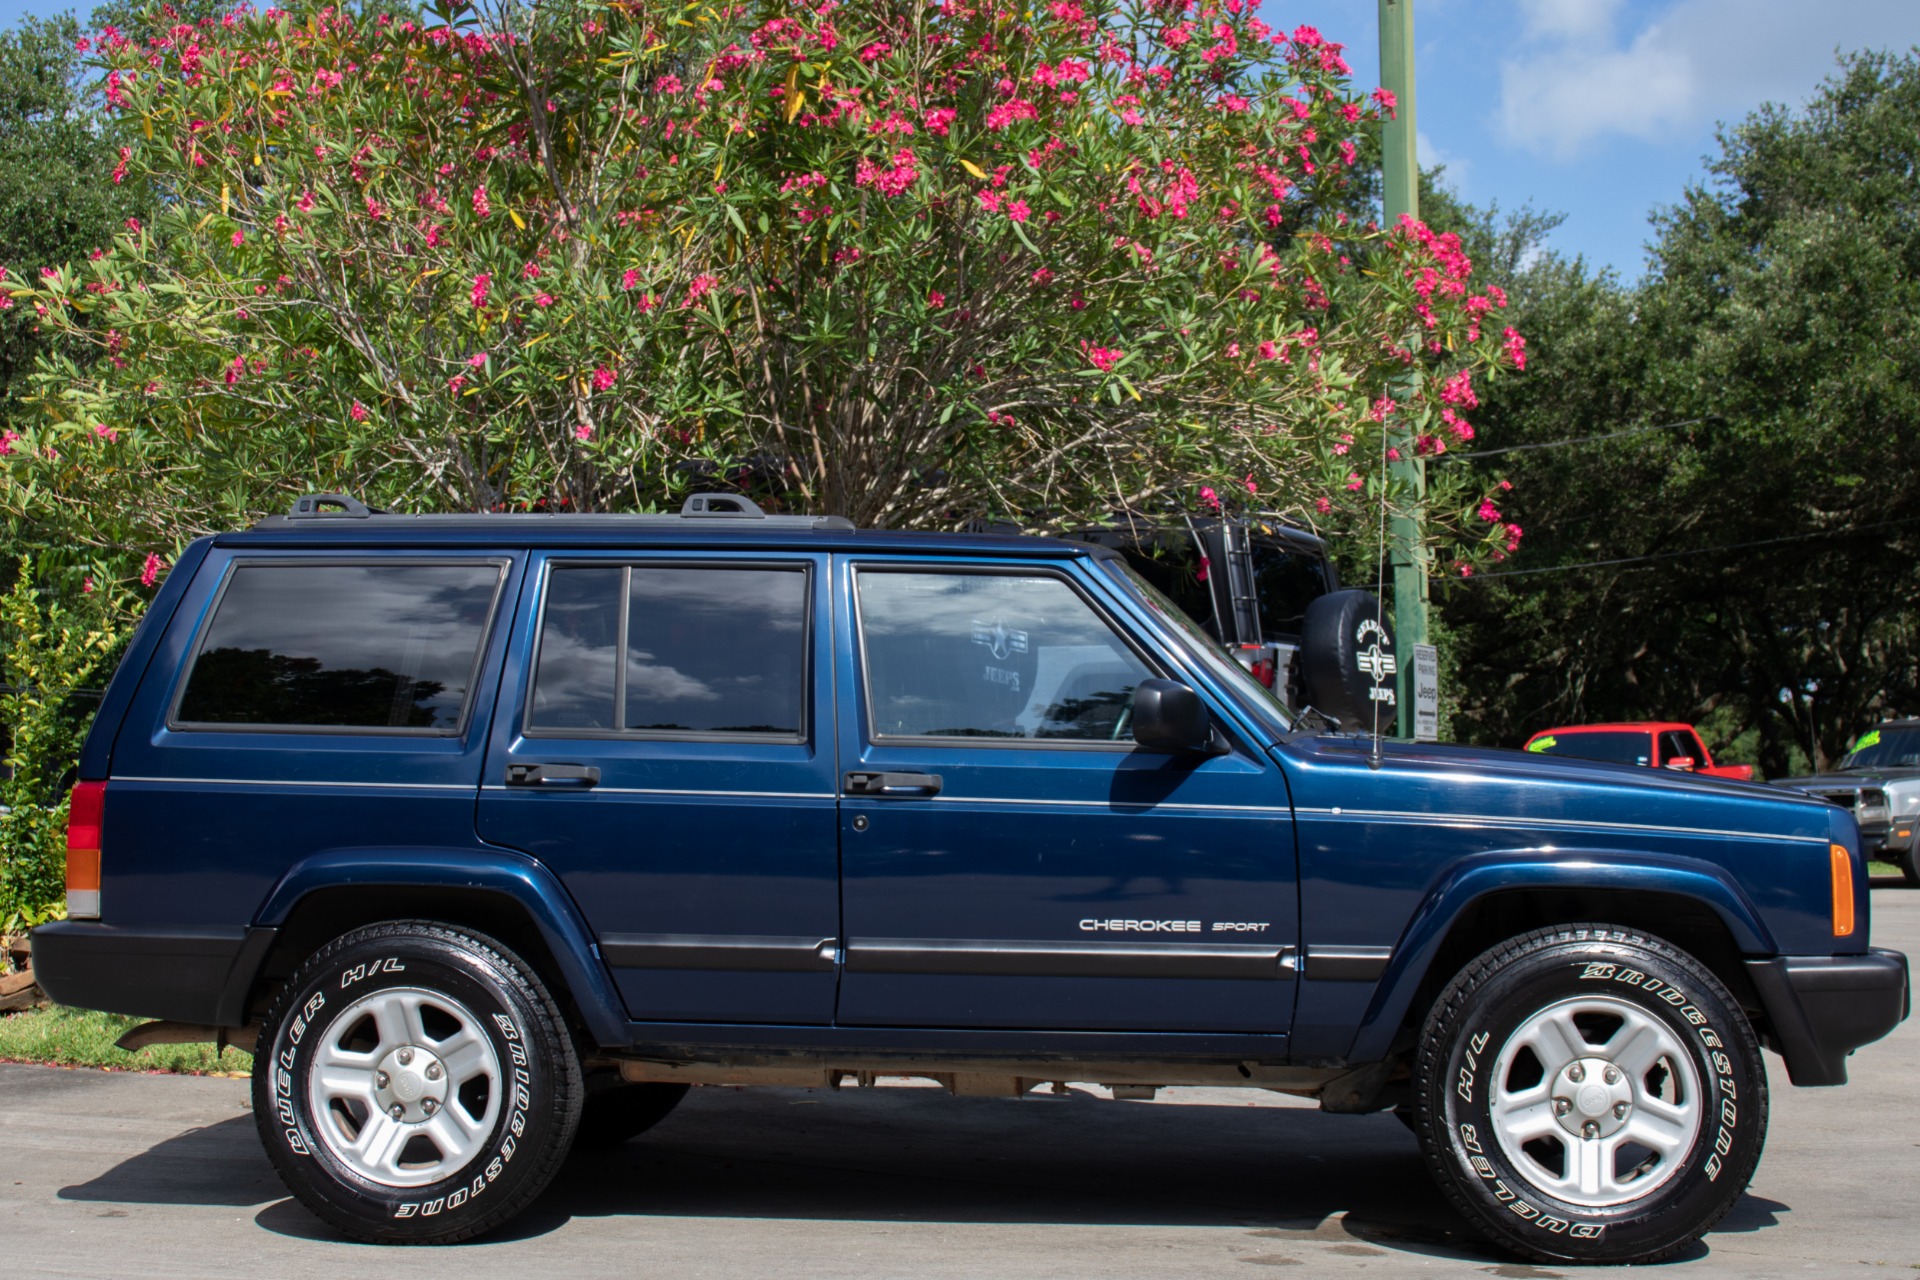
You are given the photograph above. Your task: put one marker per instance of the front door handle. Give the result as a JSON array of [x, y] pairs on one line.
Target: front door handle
[[579, 776], [863, 783]]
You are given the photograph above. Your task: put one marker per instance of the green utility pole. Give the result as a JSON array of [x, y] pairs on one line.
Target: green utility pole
[[1400, 194]]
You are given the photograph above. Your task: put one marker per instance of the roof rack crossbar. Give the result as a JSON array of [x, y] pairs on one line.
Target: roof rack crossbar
[[314, 506], [728, 506]]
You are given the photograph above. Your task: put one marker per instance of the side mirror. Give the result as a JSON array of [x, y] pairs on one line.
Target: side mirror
[[1681, 763], [1168, 716]]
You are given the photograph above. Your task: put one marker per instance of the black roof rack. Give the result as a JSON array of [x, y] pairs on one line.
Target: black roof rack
[[329, 508]]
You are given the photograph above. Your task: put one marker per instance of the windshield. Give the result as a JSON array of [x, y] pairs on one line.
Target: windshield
[[1617, 747], [1885, 749], [1199, 643]]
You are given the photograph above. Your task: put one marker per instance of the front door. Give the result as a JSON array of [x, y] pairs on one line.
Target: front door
[[1010, 858], [668, 755]]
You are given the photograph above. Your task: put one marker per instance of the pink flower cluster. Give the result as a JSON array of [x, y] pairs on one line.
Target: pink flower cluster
[[889, 182], [1102, 358], [1007, 114]]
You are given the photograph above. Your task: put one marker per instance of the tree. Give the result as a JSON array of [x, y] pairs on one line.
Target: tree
[[56, 204], [912, 262], [1754, 567]]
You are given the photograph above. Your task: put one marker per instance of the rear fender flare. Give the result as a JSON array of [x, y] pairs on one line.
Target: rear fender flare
[[525, 882], [1473, 879]]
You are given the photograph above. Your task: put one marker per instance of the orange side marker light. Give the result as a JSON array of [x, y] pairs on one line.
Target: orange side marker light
[[1842, 890]]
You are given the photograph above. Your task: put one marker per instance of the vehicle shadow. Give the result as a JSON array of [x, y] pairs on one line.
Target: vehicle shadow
[[1288, 1178], [1291, 1179], [217, 1164]]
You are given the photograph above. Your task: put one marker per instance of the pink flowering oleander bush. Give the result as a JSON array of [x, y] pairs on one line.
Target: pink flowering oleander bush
[[914, 263]]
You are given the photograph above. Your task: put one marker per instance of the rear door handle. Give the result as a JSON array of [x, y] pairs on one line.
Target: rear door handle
[[578, 776], [861, 783]]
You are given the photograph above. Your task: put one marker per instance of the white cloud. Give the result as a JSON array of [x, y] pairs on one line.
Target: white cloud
[[1458, 168], [1569, 19], [1690, 62]]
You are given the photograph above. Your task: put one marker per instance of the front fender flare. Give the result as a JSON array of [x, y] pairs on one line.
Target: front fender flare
[[528, 883], [1472, 879]]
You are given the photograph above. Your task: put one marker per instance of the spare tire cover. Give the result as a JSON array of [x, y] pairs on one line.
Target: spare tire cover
[[1347, 661]]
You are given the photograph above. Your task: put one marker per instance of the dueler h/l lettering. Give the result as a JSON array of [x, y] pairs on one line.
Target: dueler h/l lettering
[[495, 834]]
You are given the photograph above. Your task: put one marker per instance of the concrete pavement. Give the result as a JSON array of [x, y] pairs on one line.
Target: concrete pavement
[[152, 1176]]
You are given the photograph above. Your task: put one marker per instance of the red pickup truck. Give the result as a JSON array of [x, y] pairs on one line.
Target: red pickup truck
[[1656, 744]]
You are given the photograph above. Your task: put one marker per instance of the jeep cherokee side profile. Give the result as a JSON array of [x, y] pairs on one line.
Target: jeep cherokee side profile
[[491, 834]]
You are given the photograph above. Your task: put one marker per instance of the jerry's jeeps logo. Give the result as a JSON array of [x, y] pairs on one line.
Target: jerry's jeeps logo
[[1000, 639], [1375, 661]]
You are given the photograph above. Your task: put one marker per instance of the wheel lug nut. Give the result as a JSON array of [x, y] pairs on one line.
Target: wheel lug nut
[[396, 1111], [1611, 1075], [1589, 1130], [1561, 1106], [429, 1106], [380, 1080], [433, 1071], [1619, 1111], [1575, 1073], [405, 1056]]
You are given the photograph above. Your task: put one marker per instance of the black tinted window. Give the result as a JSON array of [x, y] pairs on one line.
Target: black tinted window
[[708, 650], [579, 635], [1621, 747], [1285, 582], [361, 646], [992, 656]]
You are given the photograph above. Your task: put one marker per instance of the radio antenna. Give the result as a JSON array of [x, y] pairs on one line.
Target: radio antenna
[[1380, 587]]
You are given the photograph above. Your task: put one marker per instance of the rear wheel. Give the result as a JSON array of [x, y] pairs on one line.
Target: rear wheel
[[1590, 1094], [415, 1084], [1910, 864]]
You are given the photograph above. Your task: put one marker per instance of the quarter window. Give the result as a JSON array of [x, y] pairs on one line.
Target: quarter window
[[992, 656], [707, 650], [365, 646]]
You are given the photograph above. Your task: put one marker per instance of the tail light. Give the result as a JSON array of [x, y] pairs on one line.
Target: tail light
[[85, 813], [1842, 890]]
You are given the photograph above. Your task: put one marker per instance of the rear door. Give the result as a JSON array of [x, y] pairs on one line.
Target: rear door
[[663, 743], [1011, 860]]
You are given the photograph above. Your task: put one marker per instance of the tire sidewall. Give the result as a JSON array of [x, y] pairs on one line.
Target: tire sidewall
[[326, 987], [1707, 1179]]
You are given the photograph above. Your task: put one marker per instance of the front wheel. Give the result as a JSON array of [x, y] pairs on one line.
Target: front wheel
[[1590, 1094], [415, 1084]]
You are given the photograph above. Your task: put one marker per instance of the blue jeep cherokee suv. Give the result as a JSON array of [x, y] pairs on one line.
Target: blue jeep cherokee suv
[[494, 834]]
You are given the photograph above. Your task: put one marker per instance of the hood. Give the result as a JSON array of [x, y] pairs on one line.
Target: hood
[[1590, 800], [1842, 779]]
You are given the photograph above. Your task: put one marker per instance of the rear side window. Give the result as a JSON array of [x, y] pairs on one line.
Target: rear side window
[[707, 650], [376, 646]]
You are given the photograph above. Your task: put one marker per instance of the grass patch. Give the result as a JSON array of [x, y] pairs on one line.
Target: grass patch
[[1883, 869], [84, 1038]]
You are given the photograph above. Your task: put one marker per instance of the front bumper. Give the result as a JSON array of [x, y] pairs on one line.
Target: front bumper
[[1821, 1008], [200, 976]]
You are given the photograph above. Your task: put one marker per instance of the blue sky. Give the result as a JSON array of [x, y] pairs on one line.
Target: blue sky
[[1598, 109]]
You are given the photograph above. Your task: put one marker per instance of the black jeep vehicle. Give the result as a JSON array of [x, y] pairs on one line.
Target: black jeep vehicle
[[1262, 588]]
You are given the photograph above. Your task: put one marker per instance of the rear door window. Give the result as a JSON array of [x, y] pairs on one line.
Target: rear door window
[[707, 650], [374, 646]]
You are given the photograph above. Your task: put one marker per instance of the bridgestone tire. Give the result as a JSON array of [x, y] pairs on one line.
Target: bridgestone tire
[[451, 1030], [1534, 1134], [616, 1112]]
